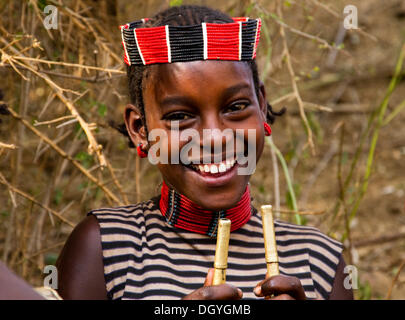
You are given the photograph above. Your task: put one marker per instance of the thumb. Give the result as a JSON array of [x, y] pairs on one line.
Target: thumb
[[209, 277]]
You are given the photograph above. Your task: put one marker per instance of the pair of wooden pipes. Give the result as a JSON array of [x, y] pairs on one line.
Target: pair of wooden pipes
[[270, 247]]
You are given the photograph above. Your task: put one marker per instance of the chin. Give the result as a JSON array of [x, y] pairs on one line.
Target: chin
[[220, 200], [215, 195], [212, 191]]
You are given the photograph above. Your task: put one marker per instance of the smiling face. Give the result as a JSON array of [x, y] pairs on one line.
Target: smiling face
[[202, 95]]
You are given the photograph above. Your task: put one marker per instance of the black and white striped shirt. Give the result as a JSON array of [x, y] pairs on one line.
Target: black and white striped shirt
[[146, 258]]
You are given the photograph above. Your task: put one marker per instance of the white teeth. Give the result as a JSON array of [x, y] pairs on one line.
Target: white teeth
[[215, 168], [222, 167]]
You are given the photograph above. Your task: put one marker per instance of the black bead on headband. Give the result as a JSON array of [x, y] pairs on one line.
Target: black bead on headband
[[205, 41]]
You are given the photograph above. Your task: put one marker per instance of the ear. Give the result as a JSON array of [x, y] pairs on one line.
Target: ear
[[134, 124], [263, 101]]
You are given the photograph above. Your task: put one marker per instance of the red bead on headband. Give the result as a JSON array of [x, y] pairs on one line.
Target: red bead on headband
[[206, 41]]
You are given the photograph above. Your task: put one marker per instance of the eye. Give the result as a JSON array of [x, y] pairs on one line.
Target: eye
[[237, 106], [177, 116]]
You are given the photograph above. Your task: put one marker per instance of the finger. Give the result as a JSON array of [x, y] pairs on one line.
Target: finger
[[209, 278], [281, 284], [219, 292], [258, 289]]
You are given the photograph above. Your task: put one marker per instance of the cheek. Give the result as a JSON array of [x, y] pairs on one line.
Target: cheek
[[166, 147], [255, 137]]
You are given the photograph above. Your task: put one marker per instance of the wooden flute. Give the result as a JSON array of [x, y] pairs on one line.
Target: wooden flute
[[221, 251], [270, 246]]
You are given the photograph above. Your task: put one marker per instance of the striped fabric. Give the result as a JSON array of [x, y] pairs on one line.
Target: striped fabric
[[145, 258], [207, 41]]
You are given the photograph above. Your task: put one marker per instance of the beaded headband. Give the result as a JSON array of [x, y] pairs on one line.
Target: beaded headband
[[206, 41]]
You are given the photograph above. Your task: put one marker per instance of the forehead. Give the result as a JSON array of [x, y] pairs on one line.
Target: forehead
[[197, 77]]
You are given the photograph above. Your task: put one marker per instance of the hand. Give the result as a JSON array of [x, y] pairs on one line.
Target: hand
[[210, 292], [280, 288]]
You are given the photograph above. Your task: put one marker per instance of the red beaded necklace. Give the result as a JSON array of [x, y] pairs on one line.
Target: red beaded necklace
[[181, 212]]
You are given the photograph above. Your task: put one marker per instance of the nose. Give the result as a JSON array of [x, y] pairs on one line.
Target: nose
[[216, 139]]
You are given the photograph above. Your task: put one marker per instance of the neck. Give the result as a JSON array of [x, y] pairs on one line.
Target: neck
[[181, 212]]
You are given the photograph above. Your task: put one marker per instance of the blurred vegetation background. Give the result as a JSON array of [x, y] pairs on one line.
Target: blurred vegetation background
[[337, 157]]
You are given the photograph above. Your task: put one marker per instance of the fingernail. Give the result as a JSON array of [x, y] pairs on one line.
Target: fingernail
[[240, 293], [257, 291]]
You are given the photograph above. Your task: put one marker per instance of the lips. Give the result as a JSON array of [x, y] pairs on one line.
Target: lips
[[212, 168], [214, 174]]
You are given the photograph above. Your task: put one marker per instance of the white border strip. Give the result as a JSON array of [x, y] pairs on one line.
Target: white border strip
[[139, 49], [169, 51], [254, 46], [240, 40], [125, 47], [205, 40]]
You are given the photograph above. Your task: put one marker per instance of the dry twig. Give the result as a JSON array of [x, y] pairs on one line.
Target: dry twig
[[27, 196], [66, 156], [294, 83], [395, 280]]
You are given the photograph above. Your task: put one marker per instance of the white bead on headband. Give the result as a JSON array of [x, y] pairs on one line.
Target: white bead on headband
[[206, 41]]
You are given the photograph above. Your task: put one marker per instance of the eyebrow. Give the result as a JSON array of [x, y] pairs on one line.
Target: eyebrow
[[176, 100], [228, 92], [188, 101]]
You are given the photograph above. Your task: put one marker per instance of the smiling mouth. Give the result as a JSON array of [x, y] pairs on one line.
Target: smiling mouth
[[212, 169]]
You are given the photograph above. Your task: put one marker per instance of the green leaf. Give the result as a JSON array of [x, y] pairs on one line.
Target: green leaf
[[102, 109], [83, 186], [99, 194], [345, 157], [249, 9], [341, 46], [58, 196], [79, 131], [42, 4], [262, 189], [85, 159], [364, 291], [4, 213], [50, 258], [292, 199], [315, 125], [122, 144], [289, 199], [174, 3]]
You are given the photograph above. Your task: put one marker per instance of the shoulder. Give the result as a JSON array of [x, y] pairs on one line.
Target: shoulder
[[128, 220], [81, 262], [80, 265], [310, 237], [126, 212], [324, 253]]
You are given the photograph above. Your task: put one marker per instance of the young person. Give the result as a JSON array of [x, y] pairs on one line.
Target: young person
[[194, 69]]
